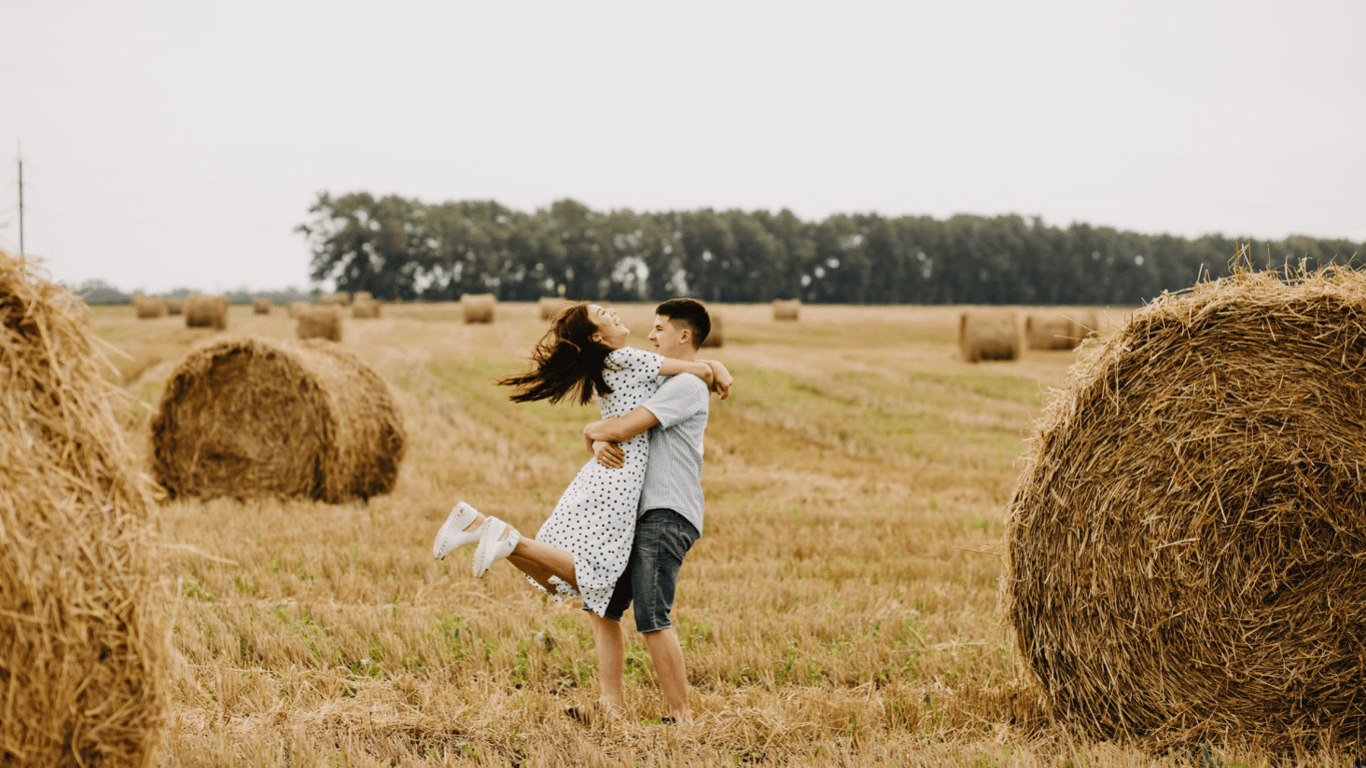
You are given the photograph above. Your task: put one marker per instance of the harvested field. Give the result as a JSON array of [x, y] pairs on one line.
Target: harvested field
[[841, 608]]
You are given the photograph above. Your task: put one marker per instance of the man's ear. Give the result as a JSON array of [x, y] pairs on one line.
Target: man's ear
[[685, 335]]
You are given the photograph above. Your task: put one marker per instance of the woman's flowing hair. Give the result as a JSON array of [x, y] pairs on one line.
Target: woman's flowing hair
[[567, 361]]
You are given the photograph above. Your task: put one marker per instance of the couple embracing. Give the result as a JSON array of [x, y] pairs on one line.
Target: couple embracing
[[620, 531]]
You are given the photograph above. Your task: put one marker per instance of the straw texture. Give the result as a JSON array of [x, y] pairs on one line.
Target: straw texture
[[254, 417], [82, 647], [988, 334], [1186, 549]]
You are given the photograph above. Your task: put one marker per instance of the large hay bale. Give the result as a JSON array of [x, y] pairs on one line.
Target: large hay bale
[[338, 299], [1185, 546], [175, 306], [149, 307], [365, 309], [477, 307], [83, 649], [206, 311], [320, 323], [787, 309], [550, 306], [261, 306], [1060, 329], [257, 417], [716, 337], [988, 334]]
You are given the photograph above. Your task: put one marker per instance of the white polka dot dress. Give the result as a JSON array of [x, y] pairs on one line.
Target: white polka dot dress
[[595, 519]]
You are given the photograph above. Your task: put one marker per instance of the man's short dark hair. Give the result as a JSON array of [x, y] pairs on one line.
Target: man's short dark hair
[[690, 313]]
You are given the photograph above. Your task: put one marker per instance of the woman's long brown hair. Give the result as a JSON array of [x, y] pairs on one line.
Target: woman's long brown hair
[[567, 361]]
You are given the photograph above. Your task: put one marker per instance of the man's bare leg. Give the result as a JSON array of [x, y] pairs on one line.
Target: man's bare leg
[[667, 656], [611, 648]]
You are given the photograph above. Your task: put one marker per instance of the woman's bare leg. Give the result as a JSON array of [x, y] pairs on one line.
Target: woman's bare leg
[[543, 560]]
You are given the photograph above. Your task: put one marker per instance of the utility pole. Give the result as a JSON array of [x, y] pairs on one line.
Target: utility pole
[[21, 200]]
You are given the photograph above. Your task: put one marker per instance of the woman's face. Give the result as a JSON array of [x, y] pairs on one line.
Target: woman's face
[[611, 332]]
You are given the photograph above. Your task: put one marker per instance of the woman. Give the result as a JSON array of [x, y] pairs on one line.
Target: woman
[[583, 547]]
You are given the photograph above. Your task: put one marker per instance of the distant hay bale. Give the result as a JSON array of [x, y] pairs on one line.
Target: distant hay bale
[[550, 306], [988, 334], [360, 296], [261, 306], [83, 650], [206, 311], [787, 309], [1058, 329], [253, 417], [1184, 547], [149, 307], [320, 323], [477, 307], [365, 309], [339, 299], [717, 336], [175, 306]]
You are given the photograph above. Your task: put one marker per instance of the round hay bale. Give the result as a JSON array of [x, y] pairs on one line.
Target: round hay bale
[[261, 306], [787, 309], [550, 306], [83, 650], [360, 296], [717, 336], [338, 299], [149, 308], [477, 307], [320, 323], [175, 306], [258, 417], [1062, 329], [365, 309], [1184, 549], [988, 334], [206, 312]]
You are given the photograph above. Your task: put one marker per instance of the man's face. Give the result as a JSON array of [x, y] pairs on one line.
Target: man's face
[[668, 338]]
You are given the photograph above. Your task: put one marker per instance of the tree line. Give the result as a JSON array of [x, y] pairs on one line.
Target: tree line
[[400, 248]]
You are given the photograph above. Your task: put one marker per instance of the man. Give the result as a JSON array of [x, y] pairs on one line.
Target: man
[[669, 519]]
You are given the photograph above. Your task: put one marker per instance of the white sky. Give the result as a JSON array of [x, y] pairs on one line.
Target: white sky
[[179, 143]]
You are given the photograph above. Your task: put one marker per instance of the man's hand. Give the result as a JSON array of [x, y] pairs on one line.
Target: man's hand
[[609, 455], [721, 378]]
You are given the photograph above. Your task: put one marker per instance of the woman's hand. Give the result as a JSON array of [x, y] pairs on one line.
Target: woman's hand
[[721, 379], [609, 455]]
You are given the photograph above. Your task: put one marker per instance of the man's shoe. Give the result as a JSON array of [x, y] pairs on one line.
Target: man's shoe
[[453, 535], [497, 539]]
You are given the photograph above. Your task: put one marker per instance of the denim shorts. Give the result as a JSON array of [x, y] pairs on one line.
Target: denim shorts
[[663, 537]]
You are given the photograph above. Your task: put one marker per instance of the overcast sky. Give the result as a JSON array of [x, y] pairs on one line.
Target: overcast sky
[[179, 143]]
